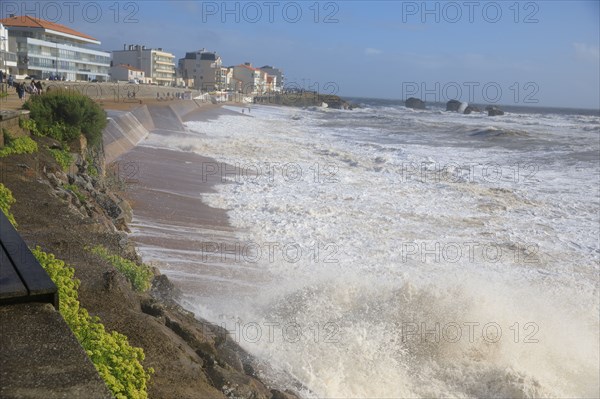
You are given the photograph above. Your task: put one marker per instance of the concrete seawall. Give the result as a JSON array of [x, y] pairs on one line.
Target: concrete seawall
[[126, 129]]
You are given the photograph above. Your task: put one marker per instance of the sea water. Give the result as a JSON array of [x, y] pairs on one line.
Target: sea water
[[388, 252]]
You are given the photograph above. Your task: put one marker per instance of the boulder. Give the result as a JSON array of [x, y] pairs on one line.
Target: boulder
[[494, 111], [471, 109], [109, 205], [414, 103], [453, 105]]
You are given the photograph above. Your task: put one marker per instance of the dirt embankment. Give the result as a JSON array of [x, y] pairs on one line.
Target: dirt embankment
[[191, 358]]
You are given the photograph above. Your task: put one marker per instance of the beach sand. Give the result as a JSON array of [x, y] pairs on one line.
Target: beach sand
[[191, 242]]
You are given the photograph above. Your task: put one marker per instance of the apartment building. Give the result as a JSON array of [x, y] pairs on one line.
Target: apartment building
[[158, 65], [46, 49], [203, 70]]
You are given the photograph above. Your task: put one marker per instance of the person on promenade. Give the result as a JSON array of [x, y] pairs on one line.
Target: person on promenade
[[39, 87], [10, 80], [32, 89], [20, 90]]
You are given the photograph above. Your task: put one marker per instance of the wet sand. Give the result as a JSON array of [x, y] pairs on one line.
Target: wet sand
[[191, 242]]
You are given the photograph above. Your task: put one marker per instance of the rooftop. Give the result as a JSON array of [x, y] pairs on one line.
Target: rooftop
[[25, 21], [127, 66]]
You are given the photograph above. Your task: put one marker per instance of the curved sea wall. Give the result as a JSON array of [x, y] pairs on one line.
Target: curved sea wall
[[126, 129]]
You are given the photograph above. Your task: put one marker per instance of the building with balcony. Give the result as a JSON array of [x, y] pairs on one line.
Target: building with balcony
[[203, 71], [8, 60], [45, 49], [158, 65], [253, 80], [276, 75]]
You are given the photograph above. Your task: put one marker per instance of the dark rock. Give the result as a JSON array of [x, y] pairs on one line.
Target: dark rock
[[235, 384], [414, 103], [121, 225], [152, 307], [453, 105], [494, 111], [162, 288], [109, 277], [55, 181], [282, 395], [108, 204], [470, 109]]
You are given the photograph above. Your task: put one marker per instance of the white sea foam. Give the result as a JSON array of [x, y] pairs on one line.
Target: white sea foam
[[368, 250]]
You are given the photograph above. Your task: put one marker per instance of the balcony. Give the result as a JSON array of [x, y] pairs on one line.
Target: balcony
[[7, 56]]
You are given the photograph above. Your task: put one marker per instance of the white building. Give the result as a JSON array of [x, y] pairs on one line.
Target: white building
[[8, 60], [203, 70], [158, 65], [277, 74], [127, 73], [252, 80], [45, 49]]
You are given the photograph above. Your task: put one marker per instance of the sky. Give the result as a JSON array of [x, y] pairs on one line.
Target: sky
[[538, 53]]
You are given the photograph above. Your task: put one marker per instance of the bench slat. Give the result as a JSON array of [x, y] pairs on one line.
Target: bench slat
[[32, 275], [11, 285]]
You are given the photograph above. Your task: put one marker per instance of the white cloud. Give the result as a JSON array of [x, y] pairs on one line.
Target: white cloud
[[587, 51], [372, 51]]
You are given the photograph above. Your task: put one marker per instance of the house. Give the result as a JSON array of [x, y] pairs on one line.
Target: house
[[158, 65], [203, 70], [127, 73], [46, 50]]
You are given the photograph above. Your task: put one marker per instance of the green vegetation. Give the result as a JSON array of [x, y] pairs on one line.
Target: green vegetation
[[29, 124], [6, 201], [63, 157], [91, 169], [75, 190], [63, 115], [117, 362], [20, 145], [140, 276]]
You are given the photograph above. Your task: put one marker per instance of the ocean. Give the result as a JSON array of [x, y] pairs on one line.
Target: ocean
[[388, 252]]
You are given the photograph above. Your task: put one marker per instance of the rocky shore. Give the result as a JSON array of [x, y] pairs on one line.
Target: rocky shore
[[65, 212]]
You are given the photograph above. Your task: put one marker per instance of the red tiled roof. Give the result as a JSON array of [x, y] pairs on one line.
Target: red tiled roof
[[25, 21], [248, 67]]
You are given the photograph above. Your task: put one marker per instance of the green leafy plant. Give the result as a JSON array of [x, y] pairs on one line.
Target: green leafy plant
[[140, 276], [65, 114], [91, 169], [6, 201], [117, 362], [20, 145], [30, 125], [62, 157], [75, 190]]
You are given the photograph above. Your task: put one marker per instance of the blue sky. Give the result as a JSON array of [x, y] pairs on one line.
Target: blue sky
[[506, 52]]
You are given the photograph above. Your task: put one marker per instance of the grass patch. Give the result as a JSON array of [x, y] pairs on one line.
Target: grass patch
[[117, 362], [140, 276]]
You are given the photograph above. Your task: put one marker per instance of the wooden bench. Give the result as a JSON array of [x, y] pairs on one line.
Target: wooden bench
[[22, 278]]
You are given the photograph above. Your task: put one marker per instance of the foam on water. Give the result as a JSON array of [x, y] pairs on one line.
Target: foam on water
[[404, 284]]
